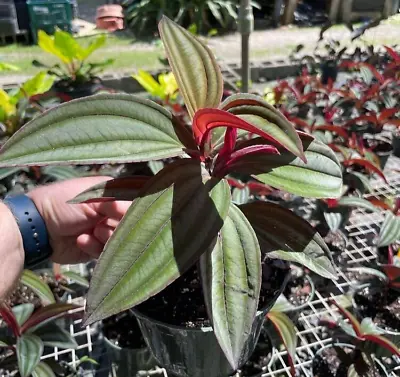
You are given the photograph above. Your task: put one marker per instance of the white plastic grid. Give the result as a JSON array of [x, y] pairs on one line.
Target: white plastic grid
[[361, 230]]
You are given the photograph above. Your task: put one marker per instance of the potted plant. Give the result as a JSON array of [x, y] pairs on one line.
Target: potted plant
[[184, 214], [30, 332], [352, 348], [76, 77], [396, 142], [16, 105]]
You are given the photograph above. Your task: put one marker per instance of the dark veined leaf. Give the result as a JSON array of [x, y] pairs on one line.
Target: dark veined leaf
[[353, 320], [159, 223], [287, 332], [43, 370], [393, 274], [194, 66], [76, 278], [53, 335], [354, 201], [93, 130], [336, 129], [34, 282], [362, 182], [231, 279], [45, 315], [384, 343], [240, 195], [390, 230], [254, 110], [336, 218], [284, 235], [126, 188], [320, 177], [29, 351], [22, 312]]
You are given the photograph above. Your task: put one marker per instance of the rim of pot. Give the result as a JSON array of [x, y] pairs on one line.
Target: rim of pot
[[355, 306], [340, 344], [263, 312]]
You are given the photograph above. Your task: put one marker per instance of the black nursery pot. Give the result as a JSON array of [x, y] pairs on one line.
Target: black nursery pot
[[329, 71], [69, 92], [195, 352], [396, 144]]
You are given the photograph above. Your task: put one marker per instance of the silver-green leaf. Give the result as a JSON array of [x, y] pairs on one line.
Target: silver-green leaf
[[284, 235], [93, 130], [231, 279], [29, 351], [390, 230], [34, 282], [172, 222], [22, 312], [43, 370]]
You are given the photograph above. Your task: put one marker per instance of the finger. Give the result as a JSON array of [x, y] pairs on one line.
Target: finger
[[90, 245], [103, 232], [115, 210]]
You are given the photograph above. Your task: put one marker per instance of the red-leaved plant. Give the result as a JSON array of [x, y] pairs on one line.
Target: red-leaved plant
[[31, 331], [184, 213], [364, 336]]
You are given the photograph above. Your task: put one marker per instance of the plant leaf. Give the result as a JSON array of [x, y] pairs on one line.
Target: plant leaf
[[254, 110], [43, 370], [102, 128], [6, 172], [364, 181], [353, 320], [384, 343], [390, 230], [287, 332], [2, 344], [45, 315], [231, 279], [393, 274], [22, 312], [46, 43], [240, 195], [194, 66], [321, 177], [284, 235], [354, 201], [60, 173], [369, 327], [9, 318], [126, 188], [34, 282], [54, 336], [29, 351], [159, 238], [367, 165], [75, 278]]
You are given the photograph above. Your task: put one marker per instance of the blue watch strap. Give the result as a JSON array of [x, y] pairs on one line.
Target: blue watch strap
[[32, 227]]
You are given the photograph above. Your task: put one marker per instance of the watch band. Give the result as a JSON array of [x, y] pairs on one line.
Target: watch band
[[32, 227]]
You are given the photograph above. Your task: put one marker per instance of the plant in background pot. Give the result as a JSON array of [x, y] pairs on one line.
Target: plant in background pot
[[17, 105], [352, 349], [184, 214], [30, 332], [75, 76]]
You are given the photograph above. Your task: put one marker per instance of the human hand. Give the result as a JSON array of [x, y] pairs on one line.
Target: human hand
[[77, 232]]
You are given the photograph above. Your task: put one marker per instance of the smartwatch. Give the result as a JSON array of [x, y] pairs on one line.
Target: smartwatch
[[32, 227]]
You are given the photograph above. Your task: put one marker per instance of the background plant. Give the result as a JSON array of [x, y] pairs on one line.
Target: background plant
[[73, 67]]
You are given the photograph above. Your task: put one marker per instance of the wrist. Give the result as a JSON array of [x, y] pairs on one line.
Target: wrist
[[11, 250]]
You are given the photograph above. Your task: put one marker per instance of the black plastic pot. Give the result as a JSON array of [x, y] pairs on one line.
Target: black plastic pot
[[129, 361], [396, 144], [329, 71], [68, 92], [193, 352], [379, 365]]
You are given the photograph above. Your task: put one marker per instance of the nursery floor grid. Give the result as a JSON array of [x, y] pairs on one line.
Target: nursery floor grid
[[361, 230]]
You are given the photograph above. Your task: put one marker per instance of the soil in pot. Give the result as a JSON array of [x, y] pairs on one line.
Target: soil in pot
[[260, 358], [327, 364], [298, 290], [182, 302], [382, 305], [123, 330]]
